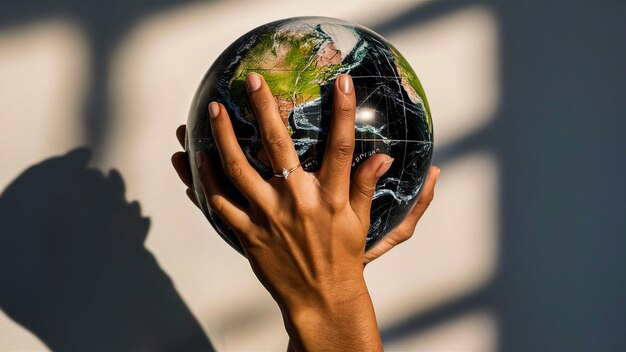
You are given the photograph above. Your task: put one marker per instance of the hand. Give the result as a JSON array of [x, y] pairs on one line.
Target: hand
[[304, 236], [405, 230], [363, 181], [365, 172]]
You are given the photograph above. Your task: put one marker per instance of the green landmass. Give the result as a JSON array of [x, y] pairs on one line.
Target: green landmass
[[407, 72], [289, 65]]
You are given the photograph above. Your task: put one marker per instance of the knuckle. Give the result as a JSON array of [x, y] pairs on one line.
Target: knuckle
[[426, 198], [405, 236], [429, 197], [275, 142], [335, 201], [346, 107], [251, 239], [252, 244], [303, 210], [233, 170], [407, 233], [263, 207], [216, 204], [344, 147], [303, 206], [402, 234], [365, 191]]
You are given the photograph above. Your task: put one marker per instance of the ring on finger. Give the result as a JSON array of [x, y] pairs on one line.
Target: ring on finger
[[286, 172]]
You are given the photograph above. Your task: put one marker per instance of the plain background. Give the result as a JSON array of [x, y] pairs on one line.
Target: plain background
[[523, 248]]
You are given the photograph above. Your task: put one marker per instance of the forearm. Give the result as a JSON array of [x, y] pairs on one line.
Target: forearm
[[345, 321]]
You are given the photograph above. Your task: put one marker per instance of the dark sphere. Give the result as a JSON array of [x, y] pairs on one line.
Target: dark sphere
[[300, 59]]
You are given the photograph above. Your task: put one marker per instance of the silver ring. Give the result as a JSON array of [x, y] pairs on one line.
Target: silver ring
[[285, 173]]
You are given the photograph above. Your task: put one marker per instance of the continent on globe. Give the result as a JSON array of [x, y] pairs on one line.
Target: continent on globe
[[300, 58]]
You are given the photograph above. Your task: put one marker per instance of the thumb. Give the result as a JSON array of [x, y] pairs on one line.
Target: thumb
[[364, 182]]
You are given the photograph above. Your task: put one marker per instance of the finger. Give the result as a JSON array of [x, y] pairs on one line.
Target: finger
[[181, 165], [274, 135], [216, 197], [364, 183], [405, 230], [180, 135], [234, 162], [335, 170], [427, 196], [381, 248], [192, 197]]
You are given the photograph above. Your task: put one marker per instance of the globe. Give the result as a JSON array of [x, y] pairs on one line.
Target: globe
[[300, 59]]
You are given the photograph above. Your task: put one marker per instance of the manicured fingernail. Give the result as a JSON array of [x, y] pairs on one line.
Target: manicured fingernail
[[199, 159], [345, 84], [384, 167], [437, 172], [214, 109], [253, 82]]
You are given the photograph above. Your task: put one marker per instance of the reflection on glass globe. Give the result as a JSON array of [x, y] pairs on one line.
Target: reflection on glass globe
[[300, 59]]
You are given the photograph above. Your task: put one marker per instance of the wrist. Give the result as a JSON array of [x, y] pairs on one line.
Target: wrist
[[340, 318]]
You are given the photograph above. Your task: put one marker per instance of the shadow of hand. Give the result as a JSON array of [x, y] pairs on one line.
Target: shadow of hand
[[74, 268]]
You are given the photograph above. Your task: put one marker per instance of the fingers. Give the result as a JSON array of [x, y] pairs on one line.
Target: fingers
[[234, 162], [181, 165], [364, 183], [405, 230], [335, 170], [180, 135], [427, 196], [216, 197], [381, 248], [274, 135]]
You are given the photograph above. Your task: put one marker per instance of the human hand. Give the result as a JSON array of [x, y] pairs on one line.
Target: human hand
[[304, 236], [365, 171], [405, 230]]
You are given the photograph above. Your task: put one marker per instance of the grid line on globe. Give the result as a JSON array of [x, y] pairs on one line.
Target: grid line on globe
[[300, 59]]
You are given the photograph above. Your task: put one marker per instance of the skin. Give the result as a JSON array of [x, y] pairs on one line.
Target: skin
[[305, 236]]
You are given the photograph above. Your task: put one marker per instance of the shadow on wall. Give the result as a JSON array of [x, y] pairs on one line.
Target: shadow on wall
[[105, 24], [75, 271], [559, 141]]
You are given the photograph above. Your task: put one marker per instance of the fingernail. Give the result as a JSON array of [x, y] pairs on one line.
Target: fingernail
[[437, 172], [384, 167], [199, 158], [345, 84], [214, 109], [253, 82]]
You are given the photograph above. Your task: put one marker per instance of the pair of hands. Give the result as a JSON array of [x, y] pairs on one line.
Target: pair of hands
[[304, 236]]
